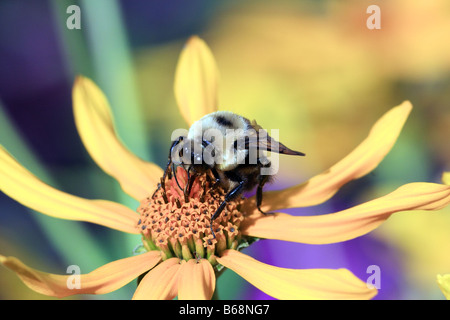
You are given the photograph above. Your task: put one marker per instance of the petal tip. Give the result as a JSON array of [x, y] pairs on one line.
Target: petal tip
[[196, 80], [404, 108], [79, 83], [446, 178], [79, 79], [192, 42], [194, 39], [407, 105]]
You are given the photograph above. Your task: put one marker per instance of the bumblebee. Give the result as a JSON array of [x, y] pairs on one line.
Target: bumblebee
[[230, 147]]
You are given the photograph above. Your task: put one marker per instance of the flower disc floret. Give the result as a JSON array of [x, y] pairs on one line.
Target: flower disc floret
[[178, 222]]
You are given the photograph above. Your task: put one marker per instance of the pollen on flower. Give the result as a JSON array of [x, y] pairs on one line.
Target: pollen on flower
[[178, 222]]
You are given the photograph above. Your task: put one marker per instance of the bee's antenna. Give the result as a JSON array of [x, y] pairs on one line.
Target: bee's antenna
[[186, 187], [191, 182], [175, 175], [167, 172], [164, 195], [188, 173]]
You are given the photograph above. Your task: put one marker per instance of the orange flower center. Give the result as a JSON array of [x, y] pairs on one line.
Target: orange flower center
[[176, 219]]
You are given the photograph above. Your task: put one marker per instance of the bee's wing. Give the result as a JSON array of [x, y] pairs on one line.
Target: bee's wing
[[266, 142], [270, 144]]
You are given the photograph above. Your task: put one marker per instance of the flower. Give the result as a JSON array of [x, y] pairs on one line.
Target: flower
[[183, 258], [420, 249], [444, 284], [444, 280]]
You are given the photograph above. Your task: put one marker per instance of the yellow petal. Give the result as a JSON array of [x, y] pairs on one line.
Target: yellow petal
[[444, 284], [446, 178], [358, 163], [291, 284], [22, 186], [160, 283], [349, 223], [197, 281], [107, 278], [196, 81], [95, 125]]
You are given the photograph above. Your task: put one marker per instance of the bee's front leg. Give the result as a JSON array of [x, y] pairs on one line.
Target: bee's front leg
[[216, 176], [259, 193], [169, 167], [236, 191]]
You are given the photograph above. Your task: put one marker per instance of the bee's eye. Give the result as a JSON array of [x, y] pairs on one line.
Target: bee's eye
[[196, 158], [241, 144], [206, 143]]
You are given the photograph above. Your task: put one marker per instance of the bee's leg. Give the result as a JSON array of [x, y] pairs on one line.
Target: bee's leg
[[191, 181], [167, 170], [157, 189], [259, 192], [162, 184], [187, 187], [175, 176], [216, 176], [169, 166], [236, 191]]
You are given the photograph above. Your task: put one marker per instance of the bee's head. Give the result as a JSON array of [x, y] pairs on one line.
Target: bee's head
[[193, 154]]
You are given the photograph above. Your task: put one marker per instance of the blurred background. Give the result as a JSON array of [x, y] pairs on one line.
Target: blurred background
[[309, 68]]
